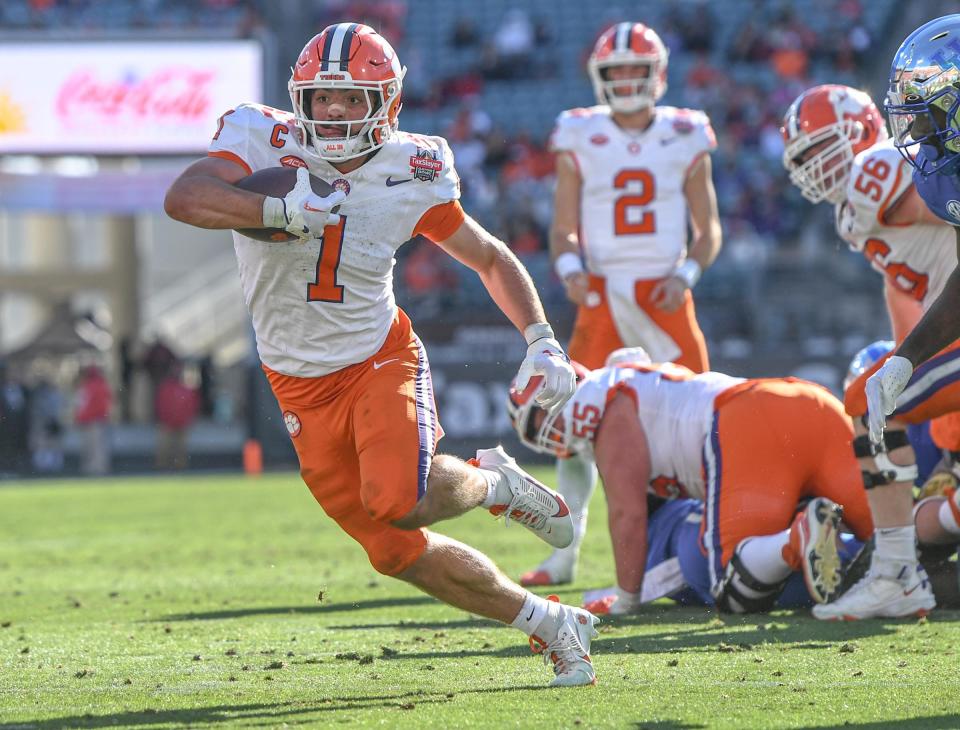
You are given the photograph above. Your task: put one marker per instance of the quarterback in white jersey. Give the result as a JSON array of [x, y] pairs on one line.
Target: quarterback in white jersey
[[349, 374], [630, 176], [709, 436], [836, 150]]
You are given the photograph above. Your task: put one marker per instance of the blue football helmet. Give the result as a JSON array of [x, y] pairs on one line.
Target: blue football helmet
[[866, 359], [923, 100]]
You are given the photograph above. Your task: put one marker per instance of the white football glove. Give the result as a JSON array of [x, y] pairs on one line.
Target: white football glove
[[545, 357], [302, 212], [883, 388]]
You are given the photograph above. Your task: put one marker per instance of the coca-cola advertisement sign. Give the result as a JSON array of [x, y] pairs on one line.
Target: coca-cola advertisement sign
[[122, 98]]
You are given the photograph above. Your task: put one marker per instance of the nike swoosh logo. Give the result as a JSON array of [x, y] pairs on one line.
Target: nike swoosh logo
[[307, 206], [668, 140], [907, 593], [378, 365], [532, 611], [391, 182]]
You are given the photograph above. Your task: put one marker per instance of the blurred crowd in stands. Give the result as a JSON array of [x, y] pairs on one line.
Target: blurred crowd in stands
[[37, 414]]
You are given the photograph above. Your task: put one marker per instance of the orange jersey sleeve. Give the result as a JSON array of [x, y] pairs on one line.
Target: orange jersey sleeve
[[441, 221]]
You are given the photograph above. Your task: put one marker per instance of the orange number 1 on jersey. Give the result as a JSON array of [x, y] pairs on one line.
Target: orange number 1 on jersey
[[325, 287]]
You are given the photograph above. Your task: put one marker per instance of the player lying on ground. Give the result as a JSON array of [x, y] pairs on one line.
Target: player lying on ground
[[750, 449], [348, 371], [677, 568]]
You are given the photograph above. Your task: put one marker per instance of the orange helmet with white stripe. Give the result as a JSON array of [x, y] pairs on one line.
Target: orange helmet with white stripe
[[823, 130], [348, 56], [628, 44]]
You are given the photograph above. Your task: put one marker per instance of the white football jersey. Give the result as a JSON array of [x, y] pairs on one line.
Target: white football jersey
[[676, 411], [633, 213], [322, 305], [916, 258]]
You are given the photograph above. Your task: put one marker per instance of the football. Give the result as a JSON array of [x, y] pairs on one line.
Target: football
[[276, 182]]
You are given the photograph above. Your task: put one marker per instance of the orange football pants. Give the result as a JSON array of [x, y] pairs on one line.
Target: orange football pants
[[774, 442], [365, 437], [595, 333], [932, 394]]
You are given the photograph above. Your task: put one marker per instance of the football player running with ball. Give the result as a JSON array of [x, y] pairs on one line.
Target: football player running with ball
[[837, 150], [348, 371], [631, 175]]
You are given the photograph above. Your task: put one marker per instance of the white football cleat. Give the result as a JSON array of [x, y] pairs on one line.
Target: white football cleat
[[812, 548], [532, 504], [570, 650], [559, 568], [888, 590]]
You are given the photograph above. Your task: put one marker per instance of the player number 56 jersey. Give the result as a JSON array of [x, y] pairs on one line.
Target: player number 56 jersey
[[633, 211], [916, 258], [323, 304], [676, 411]]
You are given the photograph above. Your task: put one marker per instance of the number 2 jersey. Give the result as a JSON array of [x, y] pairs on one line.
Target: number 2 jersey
[[633, 211], [323, 304], [676, 411], [916, 258]]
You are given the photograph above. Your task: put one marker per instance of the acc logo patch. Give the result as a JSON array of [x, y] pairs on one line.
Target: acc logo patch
[[292, 161], [953, 208], [599, 139], [425, 165], [292, 421], [342, 185]]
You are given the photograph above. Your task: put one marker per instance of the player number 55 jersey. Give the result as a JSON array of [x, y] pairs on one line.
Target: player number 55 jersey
[[676, 411], [323, 304], [633, 211]]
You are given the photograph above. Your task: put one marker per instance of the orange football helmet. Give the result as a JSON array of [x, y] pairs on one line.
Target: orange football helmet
[[823, 130], [348, 56], [628, 44]]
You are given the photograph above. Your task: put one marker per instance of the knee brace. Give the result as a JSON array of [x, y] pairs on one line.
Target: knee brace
[[739, 591], [885, 471]]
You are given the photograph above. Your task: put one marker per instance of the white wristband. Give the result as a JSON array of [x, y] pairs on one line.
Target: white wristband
[[567, 264], [274, 213], [537, 331], [688, 272]]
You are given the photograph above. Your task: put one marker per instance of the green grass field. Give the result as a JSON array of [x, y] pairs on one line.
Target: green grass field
[[189, 602]]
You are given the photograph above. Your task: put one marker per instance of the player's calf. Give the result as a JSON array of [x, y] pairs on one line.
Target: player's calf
[[892, 461], [453, 488]]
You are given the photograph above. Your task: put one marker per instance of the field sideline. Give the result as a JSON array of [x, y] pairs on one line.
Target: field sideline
[[165, 603]]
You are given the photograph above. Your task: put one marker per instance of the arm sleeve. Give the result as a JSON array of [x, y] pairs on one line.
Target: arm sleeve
[[233, 139], [441, 221]]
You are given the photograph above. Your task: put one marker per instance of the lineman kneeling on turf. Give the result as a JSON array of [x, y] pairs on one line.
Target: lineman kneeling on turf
[[749, 449]]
